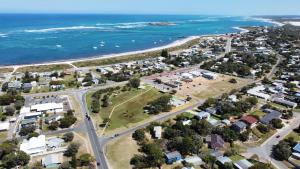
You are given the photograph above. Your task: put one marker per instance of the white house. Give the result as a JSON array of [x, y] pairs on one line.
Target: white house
[[257, 91], [203, 115], [34, 145]]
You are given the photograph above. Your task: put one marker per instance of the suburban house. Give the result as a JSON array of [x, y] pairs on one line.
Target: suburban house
[[15, 85], [52, 160], [249, 120], [210, 75], [243, 164], [53, 118], [173, 157], [28, 122], [195, 160], [239, 126], [34, 145], [272, 114], [203, 115], [284, 102], [222, 160], [258, 92], [27, 87], [54, 143], [157, 132], [215, 141]]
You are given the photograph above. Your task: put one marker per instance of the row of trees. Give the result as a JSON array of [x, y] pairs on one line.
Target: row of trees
[[162, 104]]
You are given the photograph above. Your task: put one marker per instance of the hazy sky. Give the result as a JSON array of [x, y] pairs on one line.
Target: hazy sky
[[219, 7]]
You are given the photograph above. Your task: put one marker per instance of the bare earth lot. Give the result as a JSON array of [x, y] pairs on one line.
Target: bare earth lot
[[203, 88]]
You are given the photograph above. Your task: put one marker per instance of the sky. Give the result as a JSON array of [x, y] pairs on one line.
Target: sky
[[205, 7]]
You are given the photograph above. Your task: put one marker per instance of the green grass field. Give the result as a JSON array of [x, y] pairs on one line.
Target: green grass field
[[126, 107]]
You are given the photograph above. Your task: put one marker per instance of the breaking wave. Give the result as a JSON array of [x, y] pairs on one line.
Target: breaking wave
[[64, 29]]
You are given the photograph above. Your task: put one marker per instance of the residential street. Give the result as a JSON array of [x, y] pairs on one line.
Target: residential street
[[264, 150]]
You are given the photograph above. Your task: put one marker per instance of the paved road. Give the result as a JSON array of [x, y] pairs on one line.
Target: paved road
[[264, 151]]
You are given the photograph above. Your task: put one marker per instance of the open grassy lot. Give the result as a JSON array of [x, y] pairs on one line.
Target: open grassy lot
[[262, 137], [204, 88], [44, 68], [3, 136], [126, 58], [120, 152], [126, 107]]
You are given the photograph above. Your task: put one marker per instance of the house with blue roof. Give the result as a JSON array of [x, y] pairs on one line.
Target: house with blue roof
[[297, 148], [173, 157]]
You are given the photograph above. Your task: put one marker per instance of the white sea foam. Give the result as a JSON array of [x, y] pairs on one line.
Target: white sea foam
[[2, 35], [64, 29], [241, 29], [58, 46]]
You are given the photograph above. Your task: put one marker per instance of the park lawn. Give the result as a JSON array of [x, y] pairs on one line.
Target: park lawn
[[120, 152], [294, 135], [129, 108], [258, 113]]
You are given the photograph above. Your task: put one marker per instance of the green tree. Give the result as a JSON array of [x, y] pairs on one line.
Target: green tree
[[277, 123], [13, 159], [139, 135], [210, 161], [68, 137], [72, 150], [134, 82], [282, 151], [85, 159], [154, 154], [165, 53], [260, 166], [161, 104]]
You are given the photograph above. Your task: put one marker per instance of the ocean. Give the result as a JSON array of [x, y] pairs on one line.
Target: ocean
[[41, 38]]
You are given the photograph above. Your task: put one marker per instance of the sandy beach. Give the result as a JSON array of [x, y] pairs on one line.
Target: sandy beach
[[294, 23]]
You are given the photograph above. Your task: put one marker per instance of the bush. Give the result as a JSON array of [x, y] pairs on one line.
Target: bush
[[232, 80], [72, 150], [139, 135], [26, 130], [277, 123]]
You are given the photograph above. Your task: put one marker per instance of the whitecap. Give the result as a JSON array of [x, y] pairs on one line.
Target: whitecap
[[117, 46], [95, 47], [64, 29], [204, 20], [2, 35], [58, 46]]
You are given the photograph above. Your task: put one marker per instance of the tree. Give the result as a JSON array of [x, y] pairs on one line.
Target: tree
[[13, 159], [54, 125], [202, 127], [161, 104], [154, 154], [65, 165], [233, 80], [9, 110], [277, 123], [139, 135], [282, 151], [164, 53], [67, 121], [134, 82], [263, 129], [26, 130], [68, 137], [33, 134], [210, 161], [72, 150], [227, 166], [85, 159]]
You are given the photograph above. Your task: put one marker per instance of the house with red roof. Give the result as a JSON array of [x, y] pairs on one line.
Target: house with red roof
[[249, 120]]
